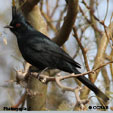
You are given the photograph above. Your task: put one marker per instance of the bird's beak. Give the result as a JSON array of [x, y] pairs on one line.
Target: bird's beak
[[8, 26]]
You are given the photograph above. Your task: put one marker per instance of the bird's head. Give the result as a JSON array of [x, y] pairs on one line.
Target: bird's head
[[18, 24]]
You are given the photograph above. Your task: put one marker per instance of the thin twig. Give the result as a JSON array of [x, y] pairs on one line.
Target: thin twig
[[46, 79], [22, 99], [83, 51], [101, 22]]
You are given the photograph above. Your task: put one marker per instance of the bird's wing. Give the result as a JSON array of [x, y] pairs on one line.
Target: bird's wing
[[47, 46]]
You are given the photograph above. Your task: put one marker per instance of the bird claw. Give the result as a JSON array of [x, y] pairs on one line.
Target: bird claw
[[38, 76], [42, 71]]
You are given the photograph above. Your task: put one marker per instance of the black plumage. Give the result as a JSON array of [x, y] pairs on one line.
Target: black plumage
[[41, 52]]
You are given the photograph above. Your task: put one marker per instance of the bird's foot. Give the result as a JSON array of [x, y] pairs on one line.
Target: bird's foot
[[41, 72]]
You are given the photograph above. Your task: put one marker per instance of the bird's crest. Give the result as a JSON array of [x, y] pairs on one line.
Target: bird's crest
[[13, 9], [15, 12]]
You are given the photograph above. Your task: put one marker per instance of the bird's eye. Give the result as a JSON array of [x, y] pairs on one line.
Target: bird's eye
[[18, 25]]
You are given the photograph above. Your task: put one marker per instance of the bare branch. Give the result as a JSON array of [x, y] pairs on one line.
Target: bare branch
[[100, 55], [22, 99], [69, 21], [28, 5], [84, 51]]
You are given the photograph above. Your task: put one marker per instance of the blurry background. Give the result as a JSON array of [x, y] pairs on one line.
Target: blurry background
[[11, 60]]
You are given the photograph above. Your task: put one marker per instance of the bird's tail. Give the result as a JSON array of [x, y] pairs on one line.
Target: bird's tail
[[91, 86]]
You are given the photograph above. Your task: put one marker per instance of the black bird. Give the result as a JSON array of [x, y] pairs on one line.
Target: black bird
[[41, 52]]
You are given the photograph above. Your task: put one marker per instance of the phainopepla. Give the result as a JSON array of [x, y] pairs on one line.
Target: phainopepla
[[41, 52]]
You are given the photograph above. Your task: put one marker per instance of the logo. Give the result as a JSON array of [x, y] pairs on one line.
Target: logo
[[98, 107]]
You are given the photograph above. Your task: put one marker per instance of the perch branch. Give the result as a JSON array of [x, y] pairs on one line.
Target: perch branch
[[45, 79]]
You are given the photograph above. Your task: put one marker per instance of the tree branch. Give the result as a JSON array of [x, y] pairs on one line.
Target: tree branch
[[45, 79], [28, 5], [69, 21], [84, 52], [32, 13], [100, 56]]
